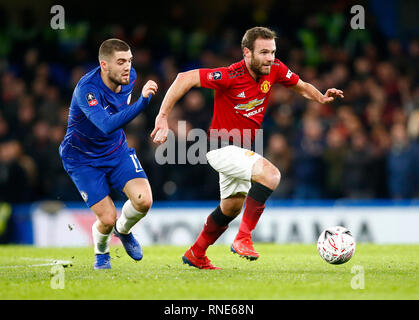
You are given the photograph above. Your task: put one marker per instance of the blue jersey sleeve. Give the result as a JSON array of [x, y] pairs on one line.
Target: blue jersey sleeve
[[89, 101]]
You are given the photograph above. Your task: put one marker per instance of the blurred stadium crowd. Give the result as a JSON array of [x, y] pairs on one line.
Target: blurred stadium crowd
[[361, 147]]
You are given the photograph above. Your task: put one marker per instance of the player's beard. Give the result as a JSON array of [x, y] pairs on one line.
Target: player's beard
[[257, 67], [118, 80]]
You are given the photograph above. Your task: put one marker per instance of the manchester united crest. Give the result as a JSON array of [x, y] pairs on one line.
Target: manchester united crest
[[265, 86]]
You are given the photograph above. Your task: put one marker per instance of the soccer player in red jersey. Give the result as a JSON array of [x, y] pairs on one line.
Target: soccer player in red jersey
[[241, 95]]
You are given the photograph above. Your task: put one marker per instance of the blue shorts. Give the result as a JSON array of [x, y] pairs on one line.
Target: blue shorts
[[95, 179]]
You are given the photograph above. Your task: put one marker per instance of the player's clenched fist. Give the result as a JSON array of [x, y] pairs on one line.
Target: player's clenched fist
[[149, 88]]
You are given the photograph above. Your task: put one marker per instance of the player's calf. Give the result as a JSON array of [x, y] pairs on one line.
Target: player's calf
[[139, 202], [102, 231], [232, 205], [265, 179], [129, 217]]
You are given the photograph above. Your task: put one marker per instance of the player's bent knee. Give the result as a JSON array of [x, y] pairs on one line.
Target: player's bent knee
[[142, 204], [275, 177], [272, 178], [267, 174], [108, 222]]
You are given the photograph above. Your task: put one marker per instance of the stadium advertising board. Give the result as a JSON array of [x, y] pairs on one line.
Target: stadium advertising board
[[180, 225]]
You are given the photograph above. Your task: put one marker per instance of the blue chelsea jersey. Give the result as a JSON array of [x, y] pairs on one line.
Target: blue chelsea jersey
[[88, 135]]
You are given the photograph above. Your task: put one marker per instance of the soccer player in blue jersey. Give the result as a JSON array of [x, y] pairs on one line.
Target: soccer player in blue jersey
[[95, 152]]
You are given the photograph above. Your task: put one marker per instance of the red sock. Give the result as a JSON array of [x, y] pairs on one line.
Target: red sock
[[209, 234], [252, 212]]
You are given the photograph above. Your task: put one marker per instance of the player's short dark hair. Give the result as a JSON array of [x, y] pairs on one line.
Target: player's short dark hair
[[251, 35], [108, 47]]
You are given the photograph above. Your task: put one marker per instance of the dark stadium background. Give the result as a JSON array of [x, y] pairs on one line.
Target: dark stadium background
[[364, 146]]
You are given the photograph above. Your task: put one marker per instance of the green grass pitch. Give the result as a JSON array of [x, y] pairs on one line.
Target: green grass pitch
[[291, 271]]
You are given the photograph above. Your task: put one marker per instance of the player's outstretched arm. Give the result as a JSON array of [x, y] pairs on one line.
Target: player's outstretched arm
[[308, 91], [108, 123], [182, 84]]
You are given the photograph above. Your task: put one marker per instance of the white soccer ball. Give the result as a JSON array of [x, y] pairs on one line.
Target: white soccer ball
[[336, 245]]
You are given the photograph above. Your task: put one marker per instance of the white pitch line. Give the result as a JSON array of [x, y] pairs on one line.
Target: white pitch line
[[27, 265], [38, 259], [52, 262]]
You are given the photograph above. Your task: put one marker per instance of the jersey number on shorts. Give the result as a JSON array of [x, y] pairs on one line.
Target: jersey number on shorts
[[136, 162]]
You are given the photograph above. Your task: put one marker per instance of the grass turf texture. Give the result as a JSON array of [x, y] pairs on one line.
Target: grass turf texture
[[291, 271]]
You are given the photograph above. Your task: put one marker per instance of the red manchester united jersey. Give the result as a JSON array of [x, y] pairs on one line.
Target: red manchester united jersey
[[240, 101]]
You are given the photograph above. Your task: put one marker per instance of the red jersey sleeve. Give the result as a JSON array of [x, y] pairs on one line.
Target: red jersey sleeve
[[216, 79], [284, 75]]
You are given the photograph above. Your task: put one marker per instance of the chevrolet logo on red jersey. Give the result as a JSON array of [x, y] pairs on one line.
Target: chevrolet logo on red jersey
[[91, 99], [250, 105]]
